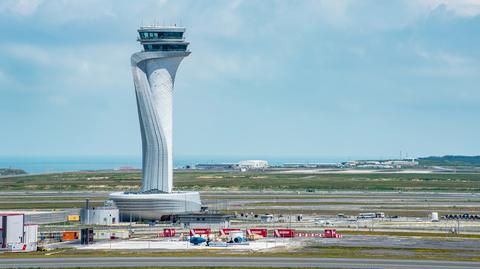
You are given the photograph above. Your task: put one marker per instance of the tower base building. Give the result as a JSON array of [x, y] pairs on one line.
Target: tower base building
[[154, 71], [151, 206]]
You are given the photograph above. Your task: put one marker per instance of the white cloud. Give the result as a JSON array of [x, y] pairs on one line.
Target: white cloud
[[62, 11], [464, 8], [84, 67], [26, 52], [452, 59], [71, 70], [442, 57], [20, 7], [58, 100], [3, 77], [332, 12]]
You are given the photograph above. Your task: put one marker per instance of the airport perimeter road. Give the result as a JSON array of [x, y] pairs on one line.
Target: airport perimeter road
[[229, 261]]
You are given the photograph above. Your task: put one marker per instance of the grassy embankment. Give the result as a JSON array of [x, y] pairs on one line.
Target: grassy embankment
[[306, 252], [111, 181], [217, 181], [410, 234]]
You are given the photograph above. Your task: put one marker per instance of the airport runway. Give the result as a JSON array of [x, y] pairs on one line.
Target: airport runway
[[229, 261]]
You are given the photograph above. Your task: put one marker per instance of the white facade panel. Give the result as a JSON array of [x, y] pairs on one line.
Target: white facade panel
[[153, 205], [31, 234], [12, 229], [154, 75], [31, 237]]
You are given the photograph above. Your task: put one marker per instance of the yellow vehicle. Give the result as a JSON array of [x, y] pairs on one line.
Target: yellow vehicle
[[73, 218]]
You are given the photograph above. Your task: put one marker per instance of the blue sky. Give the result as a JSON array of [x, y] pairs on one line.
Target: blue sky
[[265, 78]]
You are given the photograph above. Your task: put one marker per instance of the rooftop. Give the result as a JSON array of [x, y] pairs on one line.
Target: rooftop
[[162, 27]]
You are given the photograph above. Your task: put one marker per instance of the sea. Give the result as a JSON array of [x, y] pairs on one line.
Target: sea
[[36, 164]]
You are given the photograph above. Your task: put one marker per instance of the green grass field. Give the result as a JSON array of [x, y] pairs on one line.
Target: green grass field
[[305, 252], [111, 181], [169, 267]]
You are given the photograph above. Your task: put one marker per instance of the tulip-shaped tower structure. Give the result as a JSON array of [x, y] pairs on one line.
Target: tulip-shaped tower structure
[[154, 71]]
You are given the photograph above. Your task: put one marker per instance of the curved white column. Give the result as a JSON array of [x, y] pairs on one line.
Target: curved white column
[[154, 76]]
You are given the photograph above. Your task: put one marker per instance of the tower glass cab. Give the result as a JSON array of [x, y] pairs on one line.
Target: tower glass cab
[[162, 38]]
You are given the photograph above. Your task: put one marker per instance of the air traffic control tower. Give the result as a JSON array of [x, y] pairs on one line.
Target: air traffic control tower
[[154, 70]]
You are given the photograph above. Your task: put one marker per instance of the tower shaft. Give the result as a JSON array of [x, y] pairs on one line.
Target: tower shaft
[[154, 72]]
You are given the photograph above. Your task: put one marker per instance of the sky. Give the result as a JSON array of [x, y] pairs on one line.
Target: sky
[[265, 78]]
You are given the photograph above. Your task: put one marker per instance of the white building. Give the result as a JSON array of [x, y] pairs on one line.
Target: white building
[[253, 164], [402, 163], [201, 220], [101, 215], [154, 71], [15, 235]]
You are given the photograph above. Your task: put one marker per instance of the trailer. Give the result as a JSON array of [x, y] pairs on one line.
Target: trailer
[[51, 236], [200, 231], [284, 233], [257, 231], [331, 233], [70, 235], [227, 231], [169, 232], [309, 235]]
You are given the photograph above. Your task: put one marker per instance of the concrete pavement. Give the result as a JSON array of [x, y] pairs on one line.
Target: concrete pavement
[[230, 261]]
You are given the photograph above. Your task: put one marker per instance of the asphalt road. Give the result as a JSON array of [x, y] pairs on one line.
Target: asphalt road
[[229, 261], [404, 242]]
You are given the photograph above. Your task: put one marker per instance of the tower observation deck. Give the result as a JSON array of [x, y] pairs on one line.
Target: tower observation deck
[[162, 38]]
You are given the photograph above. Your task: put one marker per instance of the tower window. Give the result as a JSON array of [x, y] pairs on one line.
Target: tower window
[[161, 35], [165, 47]]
